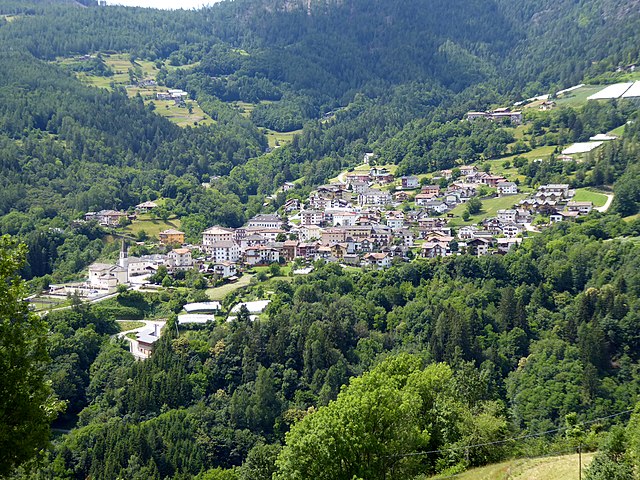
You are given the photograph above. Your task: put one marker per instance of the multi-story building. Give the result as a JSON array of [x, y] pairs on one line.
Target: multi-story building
[[171, 237], [215, 235]]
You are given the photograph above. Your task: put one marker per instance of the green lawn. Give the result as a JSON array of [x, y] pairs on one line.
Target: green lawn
[[129, 325], [152, 226], [490, 208], [618, 132], [544, 468], [590, 195], [284, 269], [578, 97], [218, 293], [632, 218]]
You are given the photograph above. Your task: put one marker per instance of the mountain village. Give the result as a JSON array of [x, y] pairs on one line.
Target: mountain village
[[355, 222]]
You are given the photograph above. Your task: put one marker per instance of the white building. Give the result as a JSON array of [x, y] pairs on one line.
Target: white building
[[261, 255], [507, 188], [107, 277], [374, 197], [215, 235], [582, 207], [507, 215], [378, 260], [511, 230], [228, 251], [265, 221], [180, 259]]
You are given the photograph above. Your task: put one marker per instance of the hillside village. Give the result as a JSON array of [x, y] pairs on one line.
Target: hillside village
[[355, 222], [366, 218]]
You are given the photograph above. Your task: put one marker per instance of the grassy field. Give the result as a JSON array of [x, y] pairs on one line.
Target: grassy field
[[578, 97], [129, 325], [180, 115], [590, 195], [218, 293], [490, 208], [544, 468], [511, 173], [280, 138], [45, 303], [151, 226], [632, 218], [244, 108], [120, 64], [618, 132]]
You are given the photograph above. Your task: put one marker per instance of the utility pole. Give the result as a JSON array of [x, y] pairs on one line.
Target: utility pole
[[580, 461]]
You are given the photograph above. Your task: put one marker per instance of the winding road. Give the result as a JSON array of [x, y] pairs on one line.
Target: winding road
[[606, 206]]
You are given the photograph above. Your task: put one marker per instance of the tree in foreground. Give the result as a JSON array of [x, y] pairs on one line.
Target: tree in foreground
[[383, 424], [27, 402]]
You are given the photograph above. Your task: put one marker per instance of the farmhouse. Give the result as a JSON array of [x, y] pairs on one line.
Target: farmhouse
[[107, 218], [497, 115], [146, 207]]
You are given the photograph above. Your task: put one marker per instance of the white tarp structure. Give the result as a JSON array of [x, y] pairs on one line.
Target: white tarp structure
[[195, 318], [202, 307], [616, 90], [581, 148], [602, 137], [634, 91], [254, 308]]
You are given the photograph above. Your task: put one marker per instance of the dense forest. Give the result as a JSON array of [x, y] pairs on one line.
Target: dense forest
[[461, 352], [458, 357]]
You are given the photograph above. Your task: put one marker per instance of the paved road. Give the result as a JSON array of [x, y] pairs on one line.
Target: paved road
[[606, 206]]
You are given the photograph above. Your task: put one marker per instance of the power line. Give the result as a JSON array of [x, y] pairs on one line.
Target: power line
[[513, 439]]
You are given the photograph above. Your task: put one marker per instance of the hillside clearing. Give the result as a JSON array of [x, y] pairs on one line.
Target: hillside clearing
[[544, 468], [151, 226], [218, 293], [578, 98], [279, 139]]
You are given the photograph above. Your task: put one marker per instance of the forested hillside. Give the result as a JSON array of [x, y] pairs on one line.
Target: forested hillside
[[464, 361]]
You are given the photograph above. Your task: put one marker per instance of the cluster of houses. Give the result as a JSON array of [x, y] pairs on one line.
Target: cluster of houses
[[175, 94], [556, 202], [354, 224], [112, 218]]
